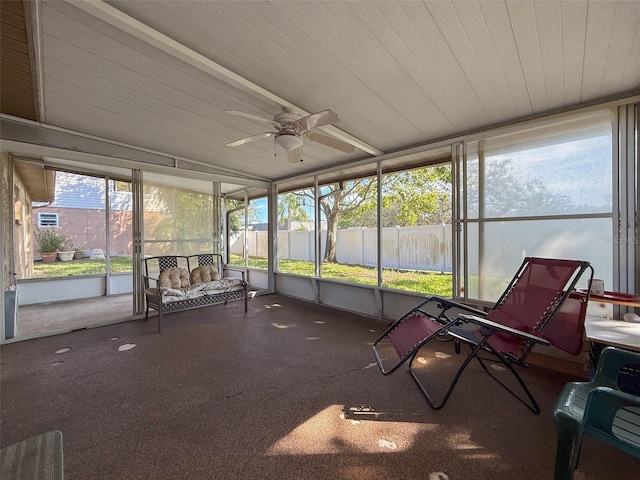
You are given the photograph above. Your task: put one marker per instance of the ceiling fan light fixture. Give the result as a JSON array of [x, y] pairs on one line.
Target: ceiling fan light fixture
[[288, 141]]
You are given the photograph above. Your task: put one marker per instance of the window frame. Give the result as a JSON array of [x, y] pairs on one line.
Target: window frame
[[49, 224]]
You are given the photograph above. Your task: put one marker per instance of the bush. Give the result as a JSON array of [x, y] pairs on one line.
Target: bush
[[49, 241]]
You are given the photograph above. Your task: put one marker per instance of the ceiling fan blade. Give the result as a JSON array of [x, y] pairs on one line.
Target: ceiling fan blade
[[258, 136], [255, 118], [295, 155], [325, 117], [331, 142]]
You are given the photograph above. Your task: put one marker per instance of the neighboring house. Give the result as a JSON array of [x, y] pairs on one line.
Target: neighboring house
[[78, 212]]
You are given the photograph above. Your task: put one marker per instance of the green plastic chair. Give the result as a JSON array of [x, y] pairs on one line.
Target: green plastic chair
[[607, 408]]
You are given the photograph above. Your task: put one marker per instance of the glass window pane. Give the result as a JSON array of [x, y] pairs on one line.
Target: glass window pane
[[470, 188], [473, 262], [550, 172], [507, 243], [562, 168]]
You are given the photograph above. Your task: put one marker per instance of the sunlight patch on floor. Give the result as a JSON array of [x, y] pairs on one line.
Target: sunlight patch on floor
[[462, 441], [330, 432], [442, 355], [382, 443], [126, 346], [438, 476], [279, 325]]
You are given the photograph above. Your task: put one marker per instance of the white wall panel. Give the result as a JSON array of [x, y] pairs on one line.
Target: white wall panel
[[35, 291]]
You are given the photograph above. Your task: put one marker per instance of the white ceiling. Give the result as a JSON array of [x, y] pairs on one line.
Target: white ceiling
[[158, 74]]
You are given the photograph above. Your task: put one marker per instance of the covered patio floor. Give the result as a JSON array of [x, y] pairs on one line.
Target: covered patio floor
[[286, 391]]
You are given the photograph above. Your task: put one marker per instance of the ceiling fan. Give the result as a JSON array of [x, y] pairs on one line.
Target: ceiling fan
[[291, 129]]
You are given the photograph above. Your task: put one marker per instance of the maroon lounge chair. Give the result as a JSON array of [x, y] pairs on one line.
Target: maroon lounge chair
[[539, 306]]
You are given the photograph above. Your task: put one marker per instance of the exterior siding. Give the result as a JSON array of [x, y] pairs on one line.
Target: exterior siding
[[17, 231]]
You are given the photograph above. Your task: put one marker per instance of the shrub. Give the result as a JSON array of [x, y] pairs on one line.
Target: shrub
[[49, 241]]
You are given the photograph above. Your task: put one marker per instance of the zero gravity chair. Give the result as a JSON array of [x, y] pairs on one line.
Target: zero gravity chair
[[539, 306]]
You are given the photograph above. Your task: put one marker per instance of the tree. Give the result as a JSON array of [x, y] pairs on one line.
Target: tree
[[409, 198], [190, 216], [235, 208], [339, 199], [507, 194], [291, 208]]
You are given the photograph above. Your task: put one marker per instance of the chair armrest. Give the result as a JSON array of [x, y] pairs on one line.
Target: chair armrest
[[483, 322], [602, 411], [448, 303]]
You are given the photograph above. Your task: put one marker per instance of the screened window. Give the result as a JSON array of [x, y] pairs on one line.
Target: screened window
[[349, 218], [48, 219], [416, 230], [296, 232], [258, 234], [546, 191], [180, 217], [236, 239]]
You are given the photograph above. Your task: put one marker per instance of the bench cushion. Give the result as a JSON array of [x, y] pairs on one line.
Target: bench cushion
[[223, 285], [216, 287], [204, 274], [173, 278]]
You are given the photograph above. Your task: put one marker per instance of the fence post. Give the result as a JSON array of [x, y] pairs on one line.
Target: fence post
[[398, 245]]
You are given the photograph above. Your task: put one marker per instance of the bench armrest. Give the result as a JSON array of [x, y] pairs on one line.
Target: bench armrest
[[236, 268], [151, 282]]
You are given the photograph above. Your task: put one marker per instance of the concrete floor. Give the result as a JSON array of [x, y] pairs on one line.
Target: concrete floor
[[285, 391]]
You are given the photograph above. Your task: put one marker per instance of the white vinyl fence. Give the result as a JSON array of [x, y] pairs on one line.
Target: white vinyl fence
[[426, 247]]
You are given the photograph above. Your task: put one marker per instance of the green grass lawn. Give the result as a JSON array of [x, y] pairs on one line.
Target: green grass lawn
[[80, 267], [413, 280], [416, 281]]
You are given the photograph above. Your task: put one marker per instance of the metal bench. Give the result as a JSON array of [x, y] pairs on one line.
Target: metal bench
[[176, 282]]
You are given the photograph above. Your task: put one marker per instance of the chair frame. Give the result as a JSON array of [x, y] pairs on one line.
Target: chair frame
[[452, 328]]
